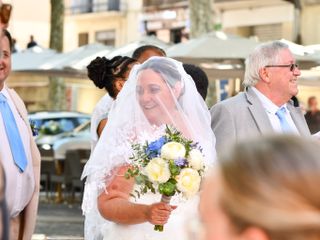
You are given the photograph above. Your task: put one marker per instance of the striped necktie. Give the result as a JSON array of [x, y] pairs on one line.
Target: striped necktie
[[14, 138]]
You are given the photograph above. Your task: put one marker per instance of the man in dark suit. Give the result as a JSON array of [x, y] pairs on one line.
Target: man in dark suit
[[265, 106]]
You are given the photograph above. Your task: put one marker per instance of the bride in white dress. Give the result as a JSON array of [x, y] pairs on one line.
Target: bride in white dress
[[158, 92]]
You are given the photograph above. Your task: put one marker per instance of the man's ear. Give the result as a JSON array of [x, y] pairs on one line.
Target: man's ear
[[254, 233], [264, 75]]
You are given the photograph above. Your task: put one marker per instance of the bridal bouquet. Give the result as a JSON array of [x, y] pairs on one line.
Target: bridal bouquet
[[170, 165]]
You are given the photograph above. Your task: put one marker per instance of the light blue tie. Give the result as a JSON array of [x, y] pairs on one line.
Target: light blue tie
[[281, 114], [15, 142]]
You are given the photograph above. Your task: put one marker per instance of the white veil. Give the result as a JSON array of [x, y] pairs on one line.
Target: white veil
[[140, 113]]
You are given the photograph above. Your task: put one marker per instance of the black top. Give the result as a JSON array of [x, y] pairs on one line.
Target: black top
[[313, 121]]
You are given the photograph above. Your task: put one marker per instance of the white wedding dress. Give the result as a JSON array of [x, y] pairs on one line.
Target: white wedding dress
[[136, 118], [175, 229]]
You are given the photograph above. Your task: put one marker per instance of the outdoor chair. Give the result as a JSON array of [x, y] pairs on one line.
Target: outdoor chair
[[73, 170], [47, 171]]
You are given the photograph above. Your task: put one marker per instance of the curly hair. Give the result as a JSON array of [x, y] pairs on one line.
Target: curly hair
[[104, 72]]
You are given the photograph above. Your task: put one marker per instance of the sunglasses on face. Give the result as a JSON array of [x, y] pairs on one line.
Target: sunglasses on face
[[5, 12], [291, 66]]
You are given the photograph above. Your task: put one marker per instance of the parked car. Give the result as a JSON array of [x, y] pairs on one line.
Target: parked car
[[55, 147], [52, 123], [53, 126], [78, 139]]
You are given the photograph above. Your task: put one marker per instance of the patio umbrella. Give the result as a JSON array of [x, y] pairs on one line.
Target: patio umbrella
[[77, 59], [213, 46], [31, 58], [307, 57]]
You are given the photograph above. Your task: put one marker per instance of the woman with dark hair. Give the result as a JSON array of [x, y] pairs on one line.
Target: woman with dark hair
[[110, 75]]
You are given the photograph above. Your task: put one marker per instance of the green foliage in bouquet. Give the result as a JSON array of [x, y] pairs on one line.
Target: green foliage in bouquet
[[156, 166], [170, 165]]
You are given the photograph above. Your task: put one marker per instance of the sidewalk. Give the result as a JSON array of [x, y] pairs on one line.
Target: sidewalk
[[59, 222]]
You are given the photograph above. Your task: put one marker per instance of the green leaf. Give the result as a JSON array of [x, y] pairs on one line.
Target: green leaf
[[174, 169], [139, 179], [127, 175], [138, 193], [167, 188], [132, 195]]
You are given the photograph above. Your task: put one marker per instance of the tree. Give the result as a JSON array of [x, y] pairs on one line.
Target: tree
[[57, 20], [57, 96], [201, 17], [201, 22]]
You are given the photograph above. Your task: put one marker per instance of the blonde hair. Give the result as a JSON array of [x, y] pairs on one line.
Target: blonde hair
[[273, 183]]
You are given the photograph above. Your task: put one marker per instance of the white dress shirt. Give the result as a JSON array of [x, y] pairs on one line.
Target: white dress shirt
[[20, 186], [271, 110]]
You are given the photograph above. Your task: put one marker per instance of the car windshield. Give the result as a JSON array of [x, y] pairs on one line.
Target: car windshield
[[84, 127]]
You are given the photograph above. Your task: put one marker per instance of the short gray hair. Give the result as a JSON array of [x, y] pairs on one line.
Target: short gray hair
[[264, 54]]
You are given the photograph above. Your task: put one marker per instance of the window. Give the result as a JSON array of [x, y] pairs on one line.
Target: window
[[83, 39], [113, 5], [106, 37], [81, 6]]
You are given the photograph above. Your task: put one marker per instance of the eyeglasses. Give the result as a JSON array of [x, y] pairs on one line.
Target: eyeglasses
[[292, 66], [5, 12]]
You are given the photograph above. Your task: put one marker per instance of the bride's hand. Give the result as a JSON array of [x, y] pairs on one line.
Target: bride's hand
[[159, 213]]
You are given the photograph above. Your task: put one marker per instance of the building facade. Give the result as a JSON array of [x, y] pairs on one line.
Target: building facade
[[168, 19], [310, 19], [266, 20], [111, 22]]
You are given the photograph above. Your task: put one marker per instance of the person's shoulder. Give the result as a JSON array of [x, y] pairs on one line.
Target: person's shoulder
[[229, 107], [18, 102], [103, 105], [15, 95], [232, 102]]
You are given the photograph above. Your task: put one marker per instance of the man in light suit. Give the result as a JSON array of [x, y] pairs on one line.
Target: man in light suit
[[270, 82], [22, 186]]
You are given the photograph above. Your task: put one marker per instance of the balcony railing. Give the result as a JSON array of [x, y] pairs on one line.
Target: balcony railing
[[158, 3], [94, 6]]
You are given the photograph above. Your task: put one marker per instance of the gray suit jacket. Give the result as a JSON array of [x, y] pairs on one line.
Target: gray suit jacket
[[243, 116], [22, 227]]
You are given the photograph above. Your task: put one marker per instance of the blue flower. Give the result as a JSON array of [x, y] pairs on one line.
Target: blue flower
[[180, 162], [154, 148]]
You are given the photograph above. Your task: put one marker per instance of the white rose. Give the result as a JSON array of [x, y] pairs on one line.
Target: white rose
[[188, 181], [173, 150], [195, 159], [157, 170]]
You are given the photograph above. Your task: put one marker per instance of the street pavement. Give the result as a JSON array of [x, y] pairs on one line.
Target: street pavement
[[59, 221]]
